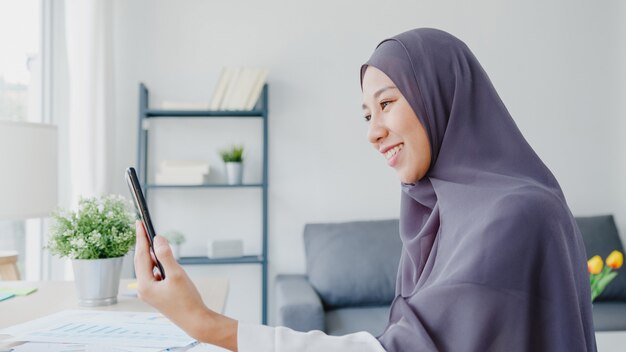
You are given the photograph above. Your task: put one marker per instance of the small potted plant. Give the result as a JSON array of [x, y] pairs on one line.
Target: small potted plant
[[233, 158], [95, 237], [175, 239]]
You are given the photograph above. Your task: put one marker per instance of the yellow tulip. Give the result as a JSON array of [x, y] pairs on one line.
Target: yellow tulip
[[615, 260], [595, 264]]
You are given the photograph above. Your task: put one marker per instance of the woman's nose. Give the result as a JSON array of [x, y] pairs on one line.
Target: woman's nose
[[376, 131]]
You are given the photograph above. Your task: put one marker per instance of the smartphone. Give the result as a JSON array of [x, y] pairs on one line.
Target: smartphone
[[142, 208]]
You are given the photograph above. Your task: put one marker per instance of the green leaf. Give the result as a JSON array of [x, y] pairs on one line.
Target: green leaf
[[605, 280], [594, 294], [234, 154], [593, 279], [100, 228]]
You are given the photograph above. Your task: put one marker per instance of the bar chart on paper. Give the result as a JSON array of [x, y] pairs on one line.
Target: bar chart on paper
[[138, 329]]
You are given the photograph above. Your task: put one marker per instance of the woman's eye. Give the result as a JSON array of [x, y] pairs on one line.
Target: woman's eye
[[367, 117], [384, 104]]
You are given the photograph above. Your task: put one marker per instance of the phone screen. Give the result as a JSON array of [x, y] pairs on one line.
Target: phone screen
[[142, 208]]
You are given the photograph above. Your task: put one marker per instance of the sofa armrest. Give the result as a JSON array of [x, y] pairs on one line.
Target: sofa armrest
[[298, 305]]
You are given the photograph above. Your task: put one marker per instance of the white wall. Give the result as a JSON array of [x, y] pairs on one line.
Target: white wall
[[554, 64]]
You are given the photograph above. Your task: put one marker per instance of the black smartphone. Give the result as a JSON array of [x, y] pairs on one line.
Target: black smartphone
[[142, 208]]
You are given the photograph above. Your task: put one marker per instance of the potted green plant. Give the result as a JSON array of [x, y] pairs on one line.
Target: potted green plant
[[233, 158], [95, 237], [175, 239]]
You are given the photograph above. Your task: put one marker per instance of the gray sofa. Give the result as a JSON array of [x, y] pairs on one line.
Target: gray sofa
[[350, 281], [351, 274]]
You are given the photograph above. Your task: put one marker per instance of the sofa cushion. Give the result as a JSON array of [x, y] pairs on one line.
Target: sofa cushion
[[601, 238], [353, 263], [348, 320], [298, 305], [609, 316]]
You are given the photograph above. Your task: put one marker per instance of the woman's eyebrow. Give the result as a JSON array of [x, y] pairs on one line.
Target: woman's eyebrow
[[379, 92]]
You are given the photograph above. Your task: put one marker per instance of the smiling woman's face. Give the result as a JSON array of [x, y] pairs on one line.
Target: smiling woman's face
[[394, 129]]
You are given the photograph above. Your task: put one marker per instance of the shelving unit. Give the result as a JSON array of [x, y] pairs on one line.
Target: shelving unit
[[260, 110]]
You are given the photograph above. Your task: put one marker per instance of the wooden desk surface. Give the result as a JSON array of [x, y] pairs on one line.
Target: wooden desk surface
[[55, 296]]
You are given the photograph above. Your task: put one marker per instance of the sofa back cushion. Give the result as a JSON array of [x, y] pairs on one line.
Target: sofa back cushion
[[601, 238], [353, 263]]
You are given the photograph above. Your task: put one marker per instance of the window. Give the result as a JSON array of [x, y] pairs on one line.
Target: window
[[20, 60], [23, 24]]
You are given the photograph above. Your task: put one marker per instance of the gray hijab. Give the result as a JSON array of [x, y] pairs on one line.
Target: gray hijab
[[492, 258]]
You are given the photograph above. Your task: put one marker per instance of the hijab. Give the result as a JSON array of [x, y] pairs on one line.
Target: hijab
[[492, 258]]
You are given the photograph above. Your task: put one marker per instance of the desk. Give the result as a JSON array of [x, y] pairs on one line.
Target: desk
[[55, 296]]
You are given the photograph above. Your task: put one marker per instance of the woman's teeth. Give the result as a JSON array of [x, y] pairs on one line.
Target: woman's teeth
[[391, 152]]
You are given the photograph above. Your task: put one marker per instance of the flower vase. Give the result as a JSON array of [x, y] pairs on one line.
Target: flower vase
[[97, 280], [234, 173]]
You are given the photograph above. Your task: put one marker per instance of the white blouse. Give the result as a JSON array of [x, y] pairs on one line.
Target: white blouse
[[261, 338]]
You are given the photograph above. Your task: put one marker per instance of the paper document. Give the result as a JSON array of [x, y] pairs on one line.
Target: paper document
[[131, 329], [76, 347], [203, 347]]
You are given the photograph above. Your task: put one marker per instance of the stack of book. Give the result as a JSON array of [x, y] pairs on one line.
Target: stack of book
[[238, 88], [182, 172]]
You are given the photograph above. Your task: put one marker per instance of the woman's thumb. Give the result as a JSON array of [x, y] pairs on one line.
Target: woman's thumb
[[164, 253]]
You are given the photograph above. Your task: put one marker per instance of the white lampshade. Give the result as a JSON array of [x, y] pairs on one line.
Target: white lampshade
[[28, 170]]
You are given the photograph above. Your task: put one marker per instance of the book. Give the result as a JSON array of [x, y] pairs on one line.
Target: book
[[6, 295], [255, 92], [244, 87], [220, 88], [183, 173], [200, 166], [229, 96], [238, 88], [18, 291], [181, 179]]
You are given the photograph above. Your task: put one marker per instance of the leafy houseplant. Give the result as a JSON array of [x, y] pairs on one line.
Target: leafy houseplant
[[96, 237], [100, 228], [233, 158], [599, 275]]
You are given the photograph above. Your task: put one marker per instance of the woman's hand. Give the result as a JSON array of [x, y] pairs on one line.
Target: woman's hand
[[176, 296]]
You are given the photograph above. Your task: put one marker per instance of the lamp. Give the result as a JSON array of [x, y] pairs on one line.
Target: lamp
[[28, 176], [28, 170]]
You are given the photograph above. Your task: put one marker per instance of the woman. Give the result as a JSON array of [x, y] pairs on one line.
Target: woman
[[492, 259]]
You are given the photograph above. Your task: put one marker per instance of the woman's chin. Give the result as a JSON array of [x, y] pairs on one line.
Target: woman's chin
[[408, 180], [405, 178]]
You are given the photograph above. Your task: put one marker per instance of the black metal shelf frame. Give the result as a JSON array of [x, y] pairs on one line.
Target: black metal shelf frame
[[216, 185], [248, 259], [259, 111]]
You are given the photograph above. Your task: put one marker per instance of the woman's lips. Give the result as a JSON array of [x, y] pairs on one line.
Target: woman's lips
[[392, 154]]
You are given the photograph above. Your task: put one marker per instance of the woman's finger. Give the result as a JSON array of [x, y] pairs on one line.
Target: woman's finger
[[143, 260], [163, 251]]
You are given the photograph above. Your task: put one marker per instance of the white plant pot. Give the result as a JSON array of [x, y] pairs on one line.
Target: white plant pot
[[234, 173], [97, 280]]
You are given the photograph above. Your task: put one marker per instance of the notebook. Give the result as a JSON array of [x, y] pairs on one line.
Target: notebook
[[6, 295]]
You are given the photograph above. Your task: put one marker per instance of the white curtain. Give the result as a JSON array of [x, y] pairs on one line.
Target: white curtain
[[88, 34], [88, 42]]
